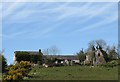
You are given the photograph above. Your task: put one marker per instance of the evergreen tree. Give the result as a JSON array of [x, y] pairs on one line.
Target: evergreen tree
[[3, 63], [112, 54], [81, 55]]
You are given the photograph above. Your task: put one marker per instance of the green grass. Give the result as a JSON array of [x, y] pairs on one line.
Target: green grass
[[74, 73], [0, 76]]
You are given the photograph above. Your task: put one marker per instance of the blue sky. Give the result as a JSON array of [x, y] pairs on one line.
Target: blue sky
[[68, 25]]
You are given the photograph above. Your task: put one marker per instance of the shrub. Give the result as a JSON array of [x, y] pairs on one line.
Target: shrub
[[111, 64], [18, 71], [17, 76]]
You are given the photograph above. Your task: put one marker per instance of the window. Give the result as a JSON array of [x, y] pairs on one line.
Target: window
[[98, 54]]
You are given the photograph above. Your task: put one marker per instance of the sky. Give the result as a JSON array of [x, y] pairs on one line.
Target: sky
[[30, 26]]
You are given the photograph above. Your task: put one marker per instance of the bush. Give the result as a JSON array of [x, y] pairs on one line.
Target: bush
[[18, 71], [111, 64], [17, 76]]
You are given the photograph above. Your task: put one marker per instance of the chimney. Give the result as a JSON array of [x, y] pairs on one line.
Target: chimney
[[39, 50]]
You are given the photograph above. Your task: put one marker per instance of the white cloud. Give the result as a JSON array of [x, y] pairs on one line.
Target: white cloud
[[96, 25], [11, 7], [99, 11], [64, 11], [25, 13], [73, 11], [13, 35], [88, 11]]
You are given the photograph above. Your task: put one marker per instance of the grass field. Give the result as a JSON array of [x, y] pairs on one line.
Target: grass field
[[0, 76], [74, 73]]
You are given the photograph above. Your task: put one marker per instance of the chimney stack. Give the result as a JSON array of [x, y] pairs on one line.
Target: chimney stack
[[39, 50]]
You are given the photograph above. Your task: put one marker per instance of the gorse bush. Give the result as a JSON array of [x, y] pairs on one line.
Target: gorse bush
[[25, 64], [18, 71], [17, 76], [13, 75]]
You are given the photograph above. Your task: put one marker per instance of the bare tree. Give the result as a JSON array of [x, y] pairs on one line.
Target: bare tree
[[51, 51], [46, 51], [107, 49], [91, 45], [54, 50], [100, 44], [96, 44]]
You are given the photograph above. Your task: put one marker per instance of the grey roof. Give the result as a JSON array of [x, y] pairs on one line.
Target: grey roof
[[71, 57]]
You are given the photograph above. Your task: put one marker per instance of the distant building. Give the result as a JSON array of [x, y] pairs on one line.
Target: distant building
[[64, 59], [95, 57], [68, 59], [33, 56]]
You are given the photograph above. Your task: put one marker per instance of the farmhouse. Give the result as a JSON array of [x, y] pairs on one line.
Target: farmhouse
[[64, 59], [32, 56], [37, 56]]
